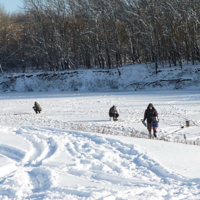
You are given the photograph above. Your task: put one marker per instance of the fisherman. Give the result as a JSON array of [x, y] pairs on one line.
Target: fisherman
[[150, 115], [37, 108], [113, 113]]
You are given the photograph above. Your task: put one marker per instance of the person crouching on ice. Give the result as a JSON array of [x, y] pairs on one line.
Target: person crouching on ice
[[113, 113], [150, 115], [37, 108]]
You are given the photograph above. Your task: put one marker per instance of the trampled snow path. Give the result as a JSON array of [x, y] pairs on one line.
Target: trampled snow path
[[42, 158], [62, 164]]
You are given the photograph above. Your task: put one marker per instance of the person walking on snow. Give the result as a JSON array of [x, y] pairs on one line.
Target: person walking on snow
[[113, 113], [150, 115], [37, 108]]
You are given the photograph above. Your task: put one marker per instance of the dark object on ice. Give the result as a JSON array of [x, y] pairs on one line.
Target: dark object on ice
[[187, 123]]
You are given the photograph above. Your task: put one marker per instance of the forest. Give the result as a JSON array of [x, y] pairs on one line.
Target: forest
[[57, 35]]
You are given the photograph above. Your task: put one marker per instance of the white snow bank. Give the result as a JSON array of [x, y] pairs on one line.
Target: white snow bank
[[134, 77]]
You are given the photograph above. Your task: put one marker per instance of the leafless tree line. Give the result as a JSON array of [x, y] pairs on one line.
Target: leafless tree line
[[52, 35]]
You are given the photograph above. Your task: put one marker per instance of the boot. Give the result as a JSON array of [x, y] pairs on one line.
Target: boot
[[150, 136], [154, 134]]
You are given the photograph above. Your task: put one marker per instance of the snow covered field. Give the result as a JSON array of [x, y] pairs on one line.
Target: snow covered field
[[71, 151]]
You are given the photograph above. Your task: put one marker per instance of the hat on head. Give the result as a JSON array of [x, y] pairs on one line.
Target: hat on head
[[150, 105]]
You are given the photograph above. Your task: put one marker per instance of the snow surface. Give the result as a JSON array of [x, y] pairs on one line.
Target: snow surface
[[72, 151]]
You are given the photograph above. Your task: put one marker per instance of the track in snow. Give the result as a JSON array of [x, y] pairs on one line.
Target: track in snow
[[90, 159]]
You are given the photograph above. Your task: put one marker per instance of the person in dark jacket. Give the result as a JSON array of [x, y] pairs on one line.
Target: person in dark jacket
[[150, 115], [113, 113], [37, 108]]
